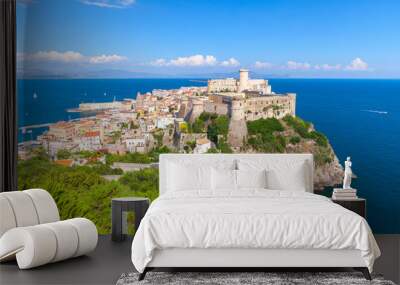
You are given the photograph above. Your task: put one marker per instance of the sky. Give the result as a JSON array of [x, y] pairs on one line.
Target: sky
[[280, 38]]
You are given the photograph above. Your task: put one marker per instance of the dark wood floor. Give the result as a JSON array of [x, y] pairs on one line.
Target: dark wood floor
[[110, 260]]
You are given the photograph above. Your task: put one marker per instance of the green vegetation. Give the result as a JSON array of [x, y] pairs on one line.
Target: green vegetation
[[216, 127], [143, 183], [303, 129], [264, 126], [198, 126], [264, 135], [190, 146], [319, 138], [81, 191], [135, 157], [294, 140], [213, 150], [184, 127], [105, 169], [223, 145], [323, 156], [207, 116], [63, 154], [88, 154]]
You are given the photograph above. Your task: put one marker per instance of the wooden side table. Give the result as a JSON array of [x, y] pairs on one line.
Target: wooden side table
[[138, 205], [357, 205]]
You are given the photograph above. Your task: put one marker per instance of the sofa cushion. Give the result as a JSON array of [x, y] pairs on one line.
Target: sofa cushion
[[23, 208], [45, 205], [7, 220]]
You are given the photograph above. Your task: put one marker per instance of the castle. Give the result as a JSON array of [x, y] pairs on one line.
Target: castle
[[239, 85], [258, 100], [242, 100]]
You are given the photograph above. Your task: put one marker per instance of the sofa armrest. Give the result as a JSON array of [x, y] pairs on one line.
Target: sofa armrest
[[41, 244]]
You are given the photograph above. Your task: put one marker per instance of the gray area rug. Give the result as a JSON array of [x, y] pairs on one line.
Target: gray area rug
[[229, 278]]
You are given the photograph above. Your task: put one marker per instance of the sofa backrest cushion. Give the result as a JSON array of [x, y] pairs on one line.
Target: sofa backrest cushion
[[276, 162], [26, 208]]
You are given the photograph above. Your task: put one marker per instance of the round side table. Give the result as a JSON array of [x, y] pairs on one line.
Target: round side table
[[138, 205]]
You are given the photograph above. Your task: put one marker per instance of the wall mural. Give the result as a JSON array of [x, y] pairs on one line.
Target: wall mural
[[106, 86]]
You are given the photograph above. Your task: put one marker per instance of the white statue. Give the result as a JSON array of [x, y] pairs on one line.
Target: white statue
[[348, 174]]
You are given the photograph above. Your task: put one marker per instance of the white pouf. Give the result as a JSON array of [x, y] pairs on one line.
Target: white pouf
[[31, 232]]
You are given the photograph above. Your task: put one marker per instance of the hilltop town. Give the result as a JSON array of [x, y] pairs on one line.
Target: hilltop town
[[228, 115]]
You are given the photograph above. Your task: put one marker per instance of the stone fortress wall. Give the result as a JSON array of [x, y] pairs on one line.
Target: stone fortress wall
[[258, 99], [242, 100]]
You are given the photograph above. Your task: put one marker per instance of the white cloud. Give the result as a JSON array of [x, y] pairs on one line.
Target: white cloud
[[230, 62], [69, 57], [293, 65], [328, 67], [119, 4], [357, 64], [262, 65], [159, 62], [194, 60], [107, 58]]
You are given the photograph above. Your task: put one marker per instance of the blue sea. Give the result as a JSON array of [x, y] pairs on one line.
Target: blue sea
[[360, 117]]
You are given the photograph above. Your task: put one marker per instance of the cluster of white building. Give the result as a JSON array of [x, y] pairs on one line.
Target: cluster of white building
[[131, 125]]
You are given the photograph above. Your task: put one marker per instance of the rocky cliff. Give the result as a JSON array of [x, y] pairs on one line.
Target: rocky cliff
[[293, 135]]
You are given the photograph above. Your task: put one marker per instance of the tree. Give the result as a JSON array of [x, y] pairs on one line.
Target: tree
[[198, 126], [183, 127], [294, 140], [222, 123], [81, 192], [191, 144], [207, 116], [219, 126], [63, 154], [212, 133]]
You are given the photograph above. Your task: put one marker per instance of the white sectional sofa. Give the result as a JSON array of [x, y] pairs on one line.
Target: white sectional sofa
[[31, 231]]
